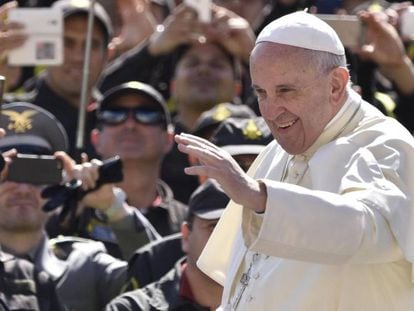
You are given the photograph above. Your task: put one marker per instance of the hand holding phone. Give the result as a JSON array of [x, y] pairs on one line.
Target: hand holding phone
[[44, 30], [349, 28]]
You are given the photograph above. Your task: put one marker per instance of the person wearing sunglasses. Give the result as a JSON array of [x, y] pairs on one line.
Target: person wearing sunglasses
[[134, 123]]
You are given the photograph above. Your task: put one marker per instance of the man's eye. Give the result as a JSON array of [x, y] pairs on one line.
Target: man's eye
[[260, 93], [285, 90]]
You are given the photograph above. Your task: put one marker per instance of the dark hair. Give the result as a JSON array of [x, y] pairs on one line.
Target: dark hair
[[180, 52]]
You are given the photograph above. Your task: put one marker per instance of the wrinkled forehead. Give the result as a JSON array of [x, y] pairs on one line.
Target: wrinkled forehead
[[274, 50]]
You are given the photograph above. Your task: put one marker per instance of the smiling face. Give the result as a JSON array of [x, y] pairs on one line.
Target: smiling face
[[204, 77], [296, 98], [66, 79]]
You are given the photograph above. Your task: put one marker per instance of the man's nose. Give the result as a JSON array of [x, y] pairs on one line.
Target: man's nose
[[130, 120]]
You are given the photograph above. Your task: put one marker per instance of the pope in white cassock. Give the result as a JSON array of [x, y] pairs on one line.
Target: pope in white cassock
[[324, 219]]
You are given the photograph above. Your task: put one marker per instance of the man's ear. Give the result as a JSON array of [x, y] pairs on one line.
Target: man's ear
[[185, 232], [339, 82], [169, 140], [95, 135], [111, 49]]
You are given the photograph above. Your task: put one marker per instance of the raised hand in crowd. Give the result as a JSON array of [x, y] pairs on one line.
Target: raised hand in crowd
[[137, 24], [180, 27], [11, 36], [384, 46], [88, 173], [232, 31]]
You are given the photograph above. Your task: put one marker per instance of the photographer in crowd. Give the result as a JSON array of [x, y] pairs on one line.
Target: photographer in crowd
[[86, 277]]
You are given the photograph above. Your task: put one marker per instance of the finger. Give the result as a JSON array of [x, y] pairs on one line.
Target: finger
[[8, 156], [84, 157], [88, 181], [68, 164], [5, 8], [200, 170], [96, 164], [89, 175], [191, 138]]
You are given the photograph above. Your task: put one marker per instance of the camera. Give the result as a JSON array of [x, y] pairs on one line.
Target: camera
[[35, 169]]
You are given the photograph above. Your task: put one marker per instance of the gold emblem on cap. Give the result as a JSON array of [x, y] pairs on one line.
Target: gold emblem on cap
[[221, 113], [251, 131], [19, 122]]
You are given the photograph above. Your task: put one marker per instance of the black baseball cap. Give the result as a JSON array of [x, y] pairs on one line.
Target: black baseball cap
[[242, 136], [211, 118], [208, 201], [31, 129], [73, 7], [135, 87]]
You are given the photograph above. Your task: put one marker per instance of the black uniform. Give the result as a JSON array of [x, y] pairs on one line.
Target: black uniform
[[171, 292], [22, 287]]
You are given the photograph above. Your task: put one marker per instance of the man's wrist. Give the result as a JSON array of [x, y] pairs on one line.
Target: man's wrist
[[117, 209]]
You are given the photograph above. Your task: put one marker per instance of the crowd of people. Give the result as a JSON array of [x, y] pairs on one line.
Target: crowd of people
[[252, 162]]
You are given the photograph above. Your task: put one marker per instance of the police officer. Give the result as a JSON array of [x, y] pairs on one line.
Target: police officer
[[86, 276], [22, 287], [184, 287]]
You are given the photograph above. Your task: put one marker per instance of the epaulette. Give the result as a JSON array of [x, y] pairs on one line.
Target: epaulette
[[63, 246]]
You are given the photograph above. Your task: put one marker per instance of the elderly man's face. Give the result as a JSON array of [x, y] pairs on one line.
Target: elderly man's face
[[294, 97], [21, 208]]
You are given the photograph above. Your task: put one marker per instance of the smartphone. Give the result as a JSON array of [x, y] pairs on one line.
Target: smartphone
[[407, 23], [202, 7], [44, 44], [35, 169], [349, 28]]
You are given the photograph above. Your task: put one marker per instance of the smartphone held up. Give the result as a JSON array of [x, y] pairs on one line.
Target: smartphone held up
[[349, 28], [35, 169]]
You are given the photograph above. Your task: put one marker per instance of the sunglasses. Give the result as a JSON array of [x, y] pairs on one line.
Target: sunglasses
[[143, 115]]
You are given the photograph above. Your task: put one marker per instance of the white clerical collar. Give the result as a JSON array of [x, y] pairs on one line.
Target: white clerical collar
[[353, 98]]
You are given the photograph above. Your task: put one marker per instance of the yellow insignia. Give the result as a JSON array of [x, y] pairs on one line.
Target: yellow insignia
[[221, 113], [251, 131], [19, 122], [375, 8]]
